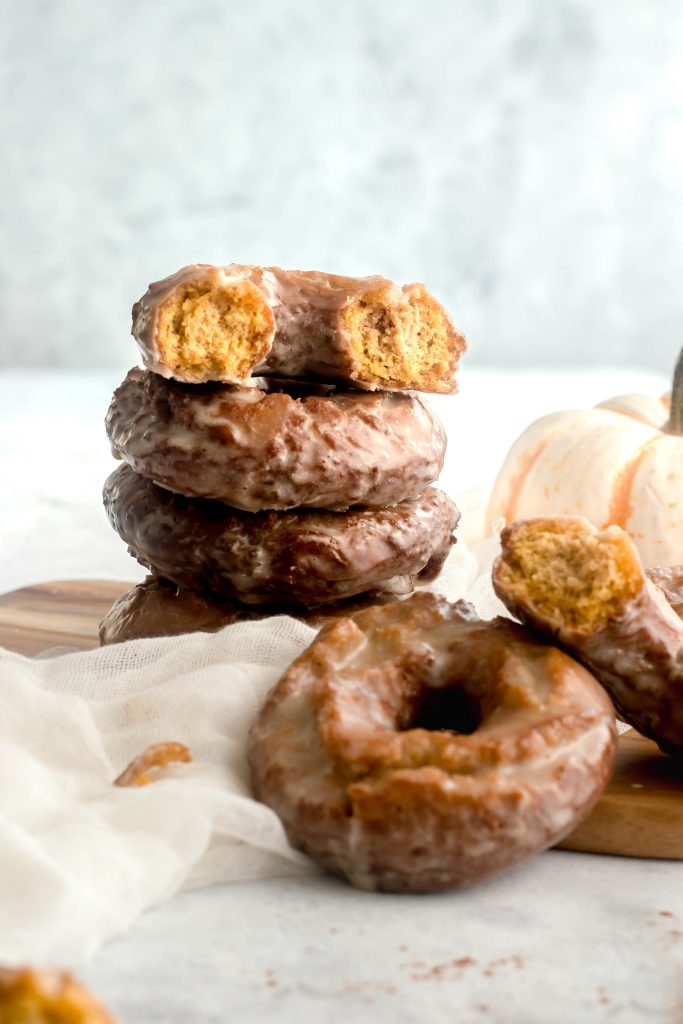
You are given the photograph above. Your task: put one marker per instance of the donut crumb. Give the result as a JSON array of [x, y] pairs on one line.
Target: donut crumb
[[567, 571]]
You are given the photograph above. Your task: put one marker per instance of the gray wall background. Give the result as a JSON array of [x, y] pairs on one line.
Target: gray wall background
[[522, 157]]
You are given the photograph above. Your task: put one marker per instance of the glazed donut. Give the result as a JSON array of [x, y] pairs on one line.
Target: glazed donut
[[230, 323], [158, 607], [587, 589], [669, 579], [308, 558], [276, 447], [414, 747]]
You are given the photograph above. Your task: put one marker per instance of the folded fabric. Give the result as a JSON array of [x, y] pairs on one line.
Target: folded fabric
[[79, 857]]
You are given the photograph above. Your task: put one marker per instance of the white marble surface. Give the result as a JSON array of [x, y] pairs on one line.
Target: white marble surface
[[522, 157], [567, 938]]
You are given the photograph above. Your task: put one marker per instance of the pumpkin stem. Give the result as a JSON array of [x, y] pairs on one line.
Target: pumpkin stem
[[674, 424]]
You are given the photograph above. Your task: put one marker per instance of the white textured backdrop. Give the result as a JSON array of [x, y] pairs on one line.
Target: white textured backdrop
[[522, 157]]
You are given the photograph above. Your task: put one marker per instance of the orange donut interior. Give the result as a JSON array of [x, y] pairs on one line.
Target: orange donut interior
[[567, 572], [210, 329], [29, 996], [409, 344]]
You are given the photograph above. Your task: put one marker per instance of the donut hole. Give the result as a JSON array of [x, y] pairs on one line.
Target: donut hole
[[569, 572], [209, 330], [445, 709], [413, 345]]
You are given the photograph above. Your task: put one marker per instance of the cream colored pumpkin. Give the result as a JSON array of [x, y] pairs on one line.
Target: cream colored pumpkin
[[621, 462]]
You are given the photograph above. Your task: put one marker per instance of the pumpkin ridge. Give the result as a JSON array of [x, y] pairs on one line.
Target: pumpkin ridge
[[620, 507], [528, 461]]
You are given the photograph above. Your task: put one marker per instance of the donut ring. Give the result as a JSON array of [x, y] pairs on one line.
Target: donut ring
[[276, 446], [414, 747], [309, 558], [158, 607], [588, 590]]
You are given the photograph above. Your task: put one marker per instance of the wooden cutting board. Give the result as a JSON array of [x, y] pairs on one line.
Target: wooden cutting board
[[51, 614], [639, 815]]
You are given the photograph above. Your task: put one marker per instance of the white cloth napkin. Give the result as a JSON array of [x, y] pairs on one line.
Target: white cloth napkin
[[80, 858]]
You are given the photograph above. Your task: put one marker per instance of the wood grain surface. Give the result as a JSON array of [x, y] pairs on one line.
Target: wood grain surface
[[639, 815], [51, 614]]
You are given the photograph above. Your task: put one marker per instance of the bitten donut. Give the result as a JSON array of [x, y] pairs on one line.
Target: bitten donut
[[587, 589], [230, 323], [307, 557], [275, 446], [158, 607], [414, 747]]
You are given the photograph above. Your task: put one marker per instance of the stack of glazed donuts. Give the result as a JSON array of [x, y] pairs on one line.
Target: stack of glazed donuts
[[275, 453]]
